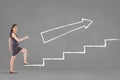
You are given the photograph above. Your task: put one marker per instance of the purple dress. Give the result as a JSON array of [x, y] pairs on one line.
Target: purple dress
[[15, 46]]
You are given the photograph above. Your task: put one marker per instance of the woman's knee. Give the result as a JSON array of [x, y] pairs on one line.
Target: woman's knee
[[13, 57], [24, 50]]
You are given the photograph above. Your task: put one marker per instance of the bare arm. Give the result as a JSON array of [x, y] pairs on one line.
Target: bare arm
[[17, 39]]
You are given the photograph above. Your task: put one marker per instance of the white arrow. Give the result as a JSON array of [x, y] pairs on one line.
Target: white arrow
[[83, 52], [70, 28]]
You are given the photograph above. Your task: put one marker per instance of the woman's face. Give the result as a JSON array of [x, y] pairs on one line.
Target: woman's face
[[15, 29]]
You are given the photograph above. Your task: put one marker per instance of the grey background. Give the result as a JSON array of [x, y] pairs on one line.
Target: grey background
[[35, 16]]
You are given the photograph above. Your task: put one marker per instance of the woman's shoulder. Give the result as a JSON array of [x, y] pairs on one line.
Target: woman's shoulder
[[13, 33]]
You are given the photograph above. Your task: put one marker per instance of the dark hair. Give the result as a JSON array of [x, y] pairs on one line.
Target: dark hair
[[12, 29]]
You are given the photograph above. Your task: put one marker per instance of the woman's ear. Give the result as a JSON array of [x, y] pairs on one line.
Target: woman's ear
[[13, 29]]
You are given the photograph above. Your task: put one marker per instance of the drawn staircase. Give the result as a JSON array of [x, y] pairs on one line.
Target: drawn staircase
[[83, 52]]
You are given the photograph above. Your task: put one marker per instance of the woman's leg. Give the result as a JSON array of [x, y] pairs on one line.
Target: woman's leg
[[12, 61], [24, 51]]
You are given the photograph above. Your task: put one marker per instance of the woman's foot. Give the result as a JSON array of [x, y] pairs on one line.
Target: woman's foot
[[26, 63], [12, 72]]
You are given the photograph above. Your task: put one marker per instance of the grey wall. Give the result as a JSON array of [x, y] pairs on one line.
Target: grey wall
[[35, 16]]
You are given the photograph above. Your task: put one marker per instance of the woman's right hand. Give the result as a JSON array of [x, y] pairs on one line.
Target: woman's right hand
[[26, 37]]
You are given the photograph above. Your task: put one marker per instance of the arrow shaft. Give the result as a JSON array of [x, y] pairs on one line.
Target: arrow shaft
[[58, 32], [62, 27], [64, 34]]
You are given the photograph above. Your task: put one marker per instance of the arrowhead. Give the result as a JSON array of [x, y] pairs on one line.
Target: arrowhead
[[87, 22]]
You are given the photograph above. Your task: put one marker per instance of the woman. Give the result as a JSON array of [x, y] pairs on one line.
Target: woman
[[14, 47]]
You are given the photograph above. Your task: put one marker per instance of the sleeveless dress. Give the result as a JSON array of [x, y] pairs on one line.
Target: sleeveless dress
[[15, 46]]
